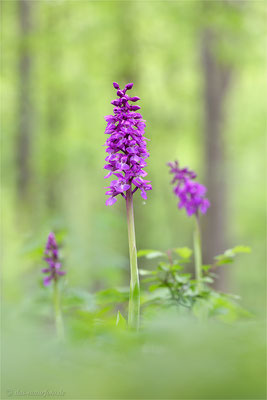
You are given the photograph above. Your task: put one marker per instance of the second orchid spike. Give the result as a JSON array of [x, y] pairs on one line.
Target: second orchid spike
[[191, 194]]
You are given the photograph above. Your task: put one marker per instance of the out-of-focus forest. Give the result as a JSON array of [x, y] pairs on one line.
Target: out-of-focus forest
[[199, 68]]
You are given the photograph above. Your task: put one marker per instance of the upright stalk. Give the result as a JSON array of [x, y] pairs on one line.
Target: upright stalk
[[57, 311], [198, 251], [134, 300]]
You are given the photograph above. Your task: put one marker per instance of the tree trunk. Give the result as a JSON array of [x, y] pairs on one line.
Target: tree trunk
[[55, 105], [25, 106], [217, 78]]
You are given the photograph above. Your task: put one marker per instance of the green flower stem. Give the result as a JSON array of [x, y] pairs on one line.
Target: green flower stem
[[134, 300], [198, 251], [57, 310]]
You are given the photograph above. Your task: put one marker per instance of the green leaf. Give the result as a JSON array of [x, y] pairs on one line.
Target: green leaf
[[224, 259], [202, 308], [229, 255], [155, 287], [207, 279], [150, 254], [182, 278], [74, 298], [184, 252], [206, 267], [163, 266], [241, 249], [120, 321], [226, 309], [144, 272], [177, 267], [112, 295]]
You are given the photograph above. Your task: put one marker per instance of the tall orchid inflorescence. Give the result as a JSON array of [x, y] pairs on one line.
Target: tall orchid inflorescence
[[127, 152], [54, 271], [191, 196], [52, 259], [126, 147]]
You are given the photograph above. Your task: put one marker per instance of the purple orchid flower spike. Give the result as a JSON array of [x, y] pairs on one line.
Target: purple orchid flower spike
[[126, 147], [52, 258], [126, 160], [54, 272], [190, 193]]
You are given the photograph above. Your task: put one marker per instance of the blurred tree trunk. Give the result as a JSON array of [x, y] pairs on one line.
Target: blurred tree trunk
[[25, 104], [56, 99], [217, 79], [54, 103]]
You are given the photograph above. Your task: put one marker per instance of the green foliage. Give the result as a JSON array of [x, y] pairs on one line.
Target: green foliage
[[112, 295], [184, 252], [120, 321], [150, 254], [184, 291], [78, 299], [229, 255]]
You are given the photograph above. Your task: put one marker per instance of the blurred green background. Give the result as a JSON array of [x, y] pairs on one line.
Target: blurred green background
[[199, 69]]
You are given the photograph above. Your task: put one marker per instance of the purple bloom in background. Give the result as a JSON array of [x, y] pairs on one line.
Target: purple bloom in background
[[190, 193], [126, 147], [52, 259]]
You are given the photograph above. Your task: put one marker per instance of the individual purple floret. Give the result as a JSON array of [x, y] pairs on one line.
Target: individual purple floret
[[126, 147], [190, 192], [52, 259]]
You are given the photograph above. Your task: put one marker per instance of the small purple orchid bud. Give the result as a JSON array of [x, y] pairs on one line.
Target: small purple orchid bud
[[128, 86], [110, 201], [135, 98], [120, 93], [116, 85], [135, 108], [137, 116], [115, 102]]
